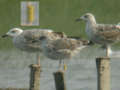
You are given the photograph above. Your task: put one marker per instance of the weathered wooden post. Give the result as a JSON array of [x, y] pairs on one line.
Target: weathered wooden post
[[103, 73], [35, 77], [59, 80]]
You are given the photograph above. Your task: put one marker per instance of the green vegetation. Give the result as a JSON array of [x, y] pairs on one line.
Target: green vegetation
[[59, 15]]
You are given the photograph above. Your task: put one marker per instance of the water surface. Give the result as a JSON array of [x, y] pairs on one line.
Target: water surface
[[80, 75]]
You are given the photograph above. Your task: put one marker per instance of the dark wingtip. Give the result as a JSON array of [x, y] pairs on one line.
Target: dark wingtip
[[87, 42], [3, 36], [34, 41]]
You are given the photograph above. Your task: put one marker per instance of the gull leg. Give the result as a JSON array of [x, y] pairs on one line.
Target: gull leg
[[108, 51], [65, 66], [60, 64], [38, 58]]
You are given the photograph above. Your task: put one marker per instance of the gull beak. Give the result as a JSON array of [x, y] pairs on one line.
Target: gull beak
[[4, 36], [78, 19]]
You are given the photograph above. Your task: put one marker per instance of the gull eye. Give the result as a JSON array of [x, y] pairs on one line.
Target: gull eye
[[13, 31], [86, 16]]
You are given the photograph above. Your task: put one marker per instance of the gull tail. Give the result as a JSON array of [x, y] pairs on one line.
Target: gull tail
[[87, 43]]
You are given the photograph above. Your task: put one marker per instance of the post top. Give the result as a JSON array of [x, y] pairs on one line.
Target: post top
[[34, 65], [101, 58]]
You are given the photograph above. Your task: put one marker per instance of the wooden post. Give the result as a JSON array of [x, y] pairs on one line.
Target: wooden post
[[59, 80], [35, 77], [103, 73]]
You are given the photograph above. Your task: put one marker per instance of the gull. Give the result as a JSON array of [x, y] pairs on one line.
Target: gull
[[62, 48], [22, 39], [103, 34]]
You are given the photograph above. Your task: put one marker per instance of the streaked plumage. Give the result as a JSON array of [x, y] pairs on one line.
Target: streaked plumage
[[104, 34], [63, 48], [22, 39]]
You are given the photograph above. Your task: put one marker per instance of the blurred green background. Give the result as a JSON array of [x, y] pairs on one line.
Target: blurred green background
[[58, 15]]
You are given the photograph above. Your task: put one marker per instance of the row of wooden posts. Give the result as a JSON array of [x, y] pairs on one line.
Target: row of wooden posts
[[103, 76]]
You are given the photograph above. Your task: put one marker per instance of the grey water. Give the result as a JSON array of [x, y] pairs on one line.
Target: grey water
[[80, 74]]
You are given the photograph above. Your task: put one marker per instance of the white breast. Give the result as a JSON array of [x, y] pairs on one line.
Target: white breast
[[89, 31], [19, 43]]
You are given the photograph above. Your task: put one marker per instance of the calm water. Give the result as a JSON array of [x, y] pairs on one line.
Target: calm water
[[80, 75]]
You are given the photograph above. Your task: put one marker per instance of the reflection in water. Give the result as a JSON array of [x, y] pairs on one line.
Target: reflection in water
[[81, 73]]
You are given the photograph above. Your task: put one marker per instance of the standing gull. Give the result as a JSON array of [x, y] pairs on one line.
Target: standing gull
[[22, 39], [63, 48], [104, 34]]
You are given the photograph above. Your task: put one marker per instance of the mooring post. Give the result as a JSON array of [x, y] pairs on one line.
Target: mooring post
[[35, 77], [59, 80], [103, 73]]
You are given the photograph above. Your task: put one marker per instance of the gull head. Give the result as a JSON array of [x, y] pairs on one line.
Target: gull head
[[87, 17], [13, 32]]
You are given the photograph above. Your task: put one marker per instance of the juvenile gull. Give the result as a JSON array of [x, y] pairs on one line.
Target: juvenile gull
[[104, 34], [22, 39], [63, 48]]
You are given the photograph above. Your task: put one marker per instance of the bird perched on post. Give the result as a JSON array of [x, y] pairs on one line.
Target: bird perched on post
[[62, 48], [22, 39], [103, 34]]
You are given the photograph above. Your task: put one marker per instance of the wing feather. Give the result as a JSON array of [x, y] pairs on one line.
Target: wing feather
[[108, 32], [66, 43]]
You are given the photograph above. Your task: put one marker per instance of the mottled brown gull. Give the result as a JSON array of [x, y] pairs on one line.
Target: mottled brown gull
[[22, 39], [104, 34], [63, 48]]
